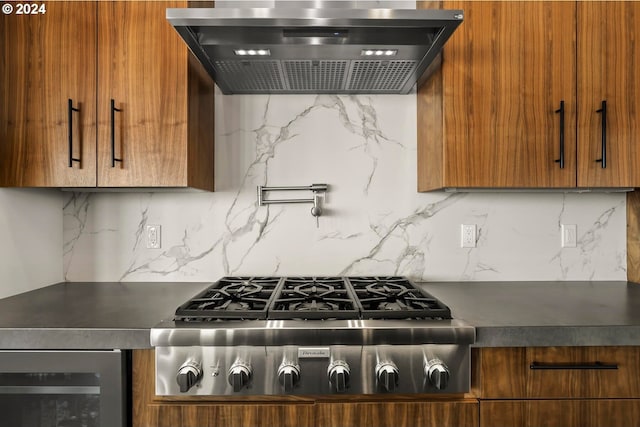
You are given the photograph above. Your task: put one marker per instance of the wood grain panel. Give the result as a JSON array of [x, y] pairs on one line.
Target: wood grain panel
[[560, 413], [430, 132], [45, 60], [633, 236], [201, 117], [623, 382], [608, 62], [497, 413], [502, 372], [230, 415], [142, 65], [398, 414], [504, 75]]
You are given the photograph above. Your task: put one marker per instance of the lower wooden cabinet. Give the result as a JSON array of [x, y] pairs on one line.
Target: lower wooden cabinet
[[264, 414], [150, 410], [462, 413], [226, 415], [561, 413], [558, 386], [557, 372]]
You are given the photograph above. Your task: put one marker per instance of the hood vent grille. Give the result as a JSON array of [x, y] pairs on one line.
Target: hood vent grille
[[251, 76], [387, 76], [313, 76], [337, 51], [264, 76]]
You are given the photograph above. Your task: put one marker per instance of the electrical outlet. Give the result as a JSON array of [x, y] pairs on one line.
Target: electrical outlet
[[468, 236], [569, 233], [153, 236]]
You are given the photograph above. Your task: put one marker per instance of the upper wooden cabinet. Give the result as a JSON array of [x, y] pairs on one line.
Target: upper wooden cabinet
[[490, 117], [609, 60], [47, 60], [145, 106]]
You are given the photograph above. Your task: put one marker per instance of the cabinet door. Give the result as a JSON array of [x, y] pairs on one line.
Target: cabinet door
[[254, 414], [45, 60], [560, 413], [506, 70], [463, 413], [608, 63], [557, 372], [142, 67], [588, 372]]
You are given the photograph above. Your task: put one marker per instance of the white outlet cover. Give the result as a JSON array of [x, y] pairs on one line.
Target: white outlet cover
[[569, 235], [468, 235], [153, 236]]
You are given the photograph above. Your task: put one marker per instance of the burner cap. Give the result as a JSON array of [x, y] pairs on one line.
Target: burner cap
[[235, 305], [313, 306]]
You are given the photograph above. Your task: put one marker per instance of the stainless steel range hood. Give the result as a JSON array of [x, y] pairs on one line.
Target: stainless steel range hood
[[327, 50]]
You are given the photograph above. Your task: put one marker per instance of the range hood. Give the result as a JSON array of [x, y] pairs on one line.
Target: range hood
[[313, 51]]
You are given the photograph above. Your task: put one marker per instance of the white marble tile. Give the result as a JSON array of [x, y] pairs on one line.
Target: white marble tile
[[375, 222]]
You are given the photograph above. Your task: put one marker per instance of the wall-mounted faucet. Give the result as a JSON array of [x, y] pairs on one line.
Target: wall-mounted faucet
[[317, 189]]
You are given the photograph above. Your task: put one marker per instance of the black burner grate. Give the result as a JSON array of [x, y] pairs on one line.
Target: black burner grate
[[395, 298], [314, 298], [231, 298], [281, 298]]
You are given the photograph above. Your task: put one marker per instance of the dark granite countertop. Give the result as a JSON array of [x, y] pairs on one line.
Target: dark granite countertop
[[545, 313], [96, 315], [105, 315]]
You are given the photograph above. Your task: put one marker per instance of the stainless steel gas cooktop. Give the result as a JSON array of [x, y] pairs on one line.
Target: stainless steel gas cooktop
[[312, 335], [306, 298]]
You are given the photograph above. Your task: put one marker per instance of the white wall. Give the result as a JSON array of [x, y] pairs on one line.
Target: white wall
[[376, 223], [30, 239]]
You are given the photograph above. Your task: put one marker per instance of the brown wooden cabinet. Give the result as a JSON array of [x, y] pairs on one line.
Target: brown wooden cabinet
[[560, 413], [145, 105], [558, 386], [463, 413], [150, 410], [47, 60], [608, 63], [490, 117]]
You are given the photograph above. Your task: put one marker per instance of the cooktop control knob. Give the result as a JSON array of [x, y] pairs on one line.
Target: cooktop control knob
[[338, 373], [288, 376], [387, 376], [188, 375], [437, 373], [239, 375]]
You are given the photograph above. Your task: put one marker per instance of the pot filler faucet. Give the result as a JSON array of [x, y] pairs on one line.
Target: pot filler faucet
[[318, 191]]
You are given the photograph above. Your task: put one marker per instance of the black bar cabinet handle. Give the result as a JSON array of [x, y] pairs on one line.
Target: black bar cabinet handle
[[70, 110], [603, 111], [573, 366], [561, 112], [114, 159]]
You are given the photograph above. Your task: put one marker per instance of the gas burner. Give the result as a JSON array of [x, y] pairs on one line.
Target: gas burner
[[313, 298], [313, 306], [395, 298], [231, 298], [313, 289], [391, 306]]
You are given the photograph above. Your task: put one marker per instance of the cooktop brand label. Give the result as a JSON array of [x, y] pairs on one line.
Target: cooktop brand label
[[314, 352]]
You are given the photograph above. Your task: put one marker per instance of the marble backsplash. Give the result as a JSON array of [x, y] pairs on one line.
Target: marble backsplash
[[374, 221]]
